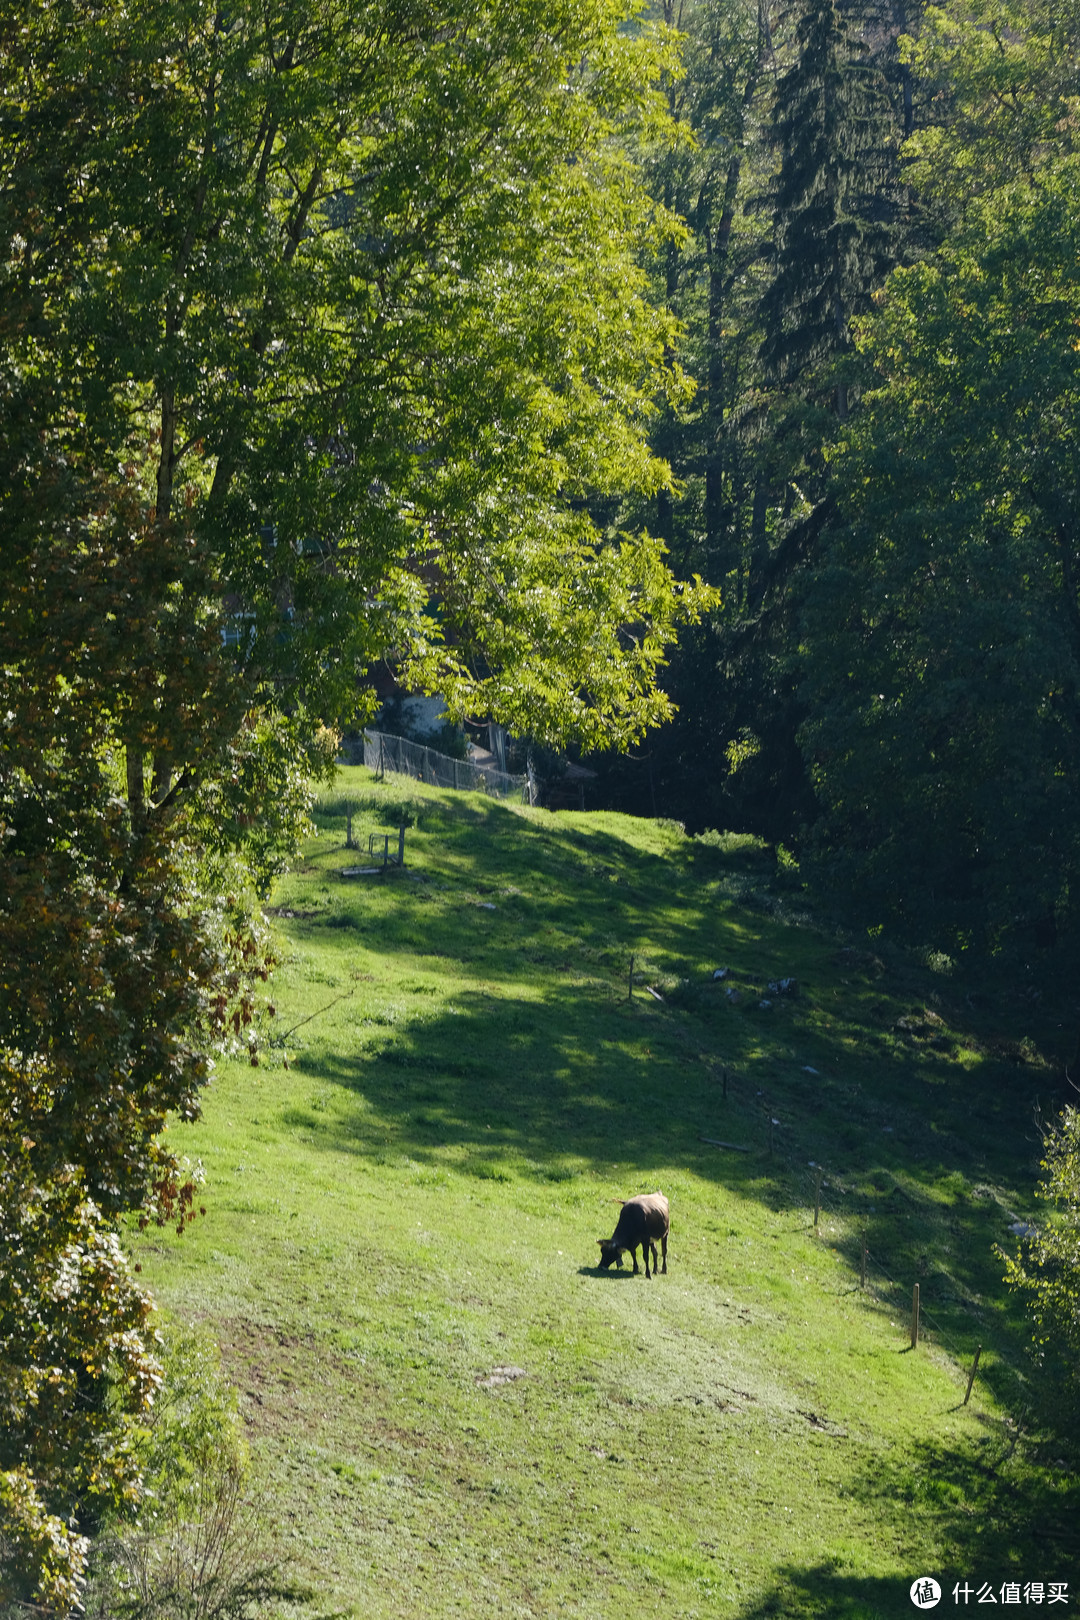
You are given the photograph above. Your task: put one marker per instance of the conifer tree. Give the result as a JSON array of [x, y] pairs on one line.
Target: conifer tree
[[835, 212], [833, 203]]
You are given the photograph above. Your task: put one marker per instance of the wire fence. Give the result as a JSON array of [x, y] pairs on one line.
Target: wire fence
[[383, 753], [859, 1226], [843, 1218]]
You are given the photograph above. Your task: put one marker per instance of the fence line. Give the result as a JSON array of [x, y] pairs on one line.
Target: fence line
[[875, 1278], [815, 1188], [383, 752]]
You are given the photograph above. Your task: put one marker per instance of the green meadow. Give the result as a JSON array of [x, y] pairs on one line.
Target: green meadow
[[460, 1067]]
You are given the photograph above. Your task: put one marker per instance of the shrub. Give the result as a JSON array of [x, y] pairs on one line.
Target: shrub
[[1046, 1268], [194, 1550]]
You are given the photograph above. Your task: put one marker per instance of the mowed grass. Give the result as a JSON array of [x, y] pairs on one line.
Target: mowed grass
[[452, 1409]]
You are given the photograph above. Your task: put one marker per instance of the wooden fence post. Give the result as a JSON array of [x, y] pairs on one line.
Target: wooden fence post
[[974, 1370], [817, 1199], [915, 1317], [630, 988], [862, 1272]]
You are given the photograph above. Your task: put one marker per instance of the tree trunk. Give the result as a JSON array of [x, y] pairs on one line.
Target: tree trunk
[[136, 786], [167, 455], [759, 546], [718, 247]]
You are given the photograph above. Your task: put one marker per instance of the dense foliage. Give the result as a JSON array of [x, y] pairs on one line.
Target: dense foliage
[[1045, 1269], [119, 974], [791, 119], [943, 630], [879, 288], [353, 287]]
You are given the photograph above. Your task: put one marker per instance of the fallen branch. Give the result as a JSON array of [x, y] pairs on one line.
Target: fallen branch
[[736, 1147]]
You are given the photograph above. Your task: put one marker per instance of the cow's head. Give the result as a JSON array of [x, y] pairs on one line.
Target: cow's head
[[609, 1252]]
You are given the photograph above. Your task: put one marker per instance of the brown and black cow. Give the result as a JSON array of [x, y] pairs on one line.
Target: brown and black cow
[[642, 1221]]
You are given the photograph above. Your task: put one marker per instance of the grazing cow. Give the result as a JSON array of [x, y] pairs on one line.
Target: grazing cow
[[641, 1221]]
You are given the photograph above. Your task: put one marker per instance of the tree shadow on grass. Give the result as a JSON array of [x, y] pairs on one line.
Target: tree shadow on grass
[[525, 1077], [546, 1087], [824, 1591], [543, 1068], [998, 1522], [999, 1515]]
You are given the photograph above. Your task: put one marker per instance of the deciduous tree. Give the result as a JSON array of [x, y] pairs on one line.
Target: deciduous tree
[[118, 976], [321, 324], [356, 287]]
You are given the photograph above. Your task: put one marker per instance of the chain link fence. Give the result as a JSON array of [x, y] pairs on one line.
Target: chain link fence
[[383, 753]]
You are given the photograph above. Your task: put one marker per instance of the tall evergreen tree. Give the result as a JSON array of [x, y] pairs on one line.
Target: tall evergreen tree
[[833, 202], [771, 274], [710, 279]]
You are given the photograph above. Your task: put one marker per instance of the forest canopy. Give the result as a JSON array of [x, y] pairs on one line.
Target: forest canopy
[[878, 287]]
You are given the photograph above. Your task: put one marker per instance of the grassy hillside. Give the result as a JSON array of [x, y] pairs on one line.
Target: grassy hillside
[[453, 1410]]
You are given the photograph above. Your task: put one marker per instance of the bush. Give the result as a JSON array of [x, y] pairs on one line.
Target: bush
[[1046, 1270], [194, 1550]]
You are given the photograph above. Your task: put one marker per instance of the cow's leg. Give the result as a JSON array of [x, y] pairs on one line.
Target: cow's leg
[[663, 1245], [633, 1256], [645, 1247]]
